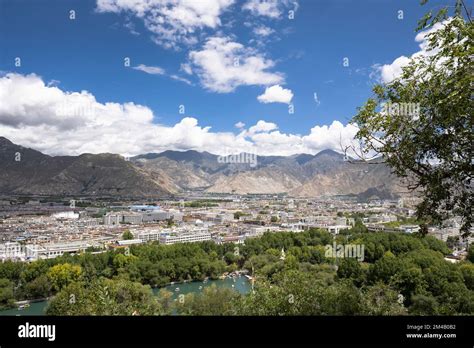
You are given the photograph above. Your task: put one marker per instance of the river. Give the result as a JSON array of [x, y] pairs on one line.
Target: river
[[240, 284]]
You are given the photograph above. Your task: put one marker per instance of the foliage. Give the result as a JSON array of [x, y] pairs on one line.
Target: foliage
[[127, 235], [63, 274], [113, 283], [105, 297], [6, 293], [211, 301], [431, 145]]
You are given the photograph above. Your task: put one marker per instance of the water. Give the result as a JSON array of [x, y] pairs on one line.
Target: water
[[36, 308], [241, 284]]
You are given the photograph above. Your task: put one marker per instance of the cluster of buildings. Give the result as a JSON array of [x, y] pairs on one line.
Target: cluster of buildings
[[97, 226], [141, 214]]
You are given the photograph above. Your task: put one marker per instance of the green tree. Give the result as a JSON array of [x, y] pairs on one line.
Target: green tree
[[211, 301], [350, 268], [431, 147], [127, 235], [470, 253], [105, 297], [452, 241], [384, 269], [39, 287], [467, 271], [381, 299], [424, 305], [63, 274], [6, 293]]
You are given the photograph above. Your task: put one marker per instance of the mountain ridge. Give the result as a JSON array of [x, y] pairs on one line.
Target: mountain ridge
[[174, 172]]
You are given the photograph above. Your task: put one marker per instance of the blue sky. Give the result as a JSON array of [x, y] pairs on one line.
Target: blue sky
[[304, 55]]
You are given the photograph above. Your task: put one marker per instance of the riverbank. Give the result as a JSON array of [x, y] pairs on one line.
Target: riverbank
[[238, 283]]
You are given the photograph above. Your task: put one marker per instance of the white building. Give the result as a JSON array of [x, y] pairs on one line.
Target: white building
[[112, 219], [11, 250], [147, 235], [50, 251], [260, 230], [66, 215], [197, 235], [410, 228], [335, 229], [129, 242]]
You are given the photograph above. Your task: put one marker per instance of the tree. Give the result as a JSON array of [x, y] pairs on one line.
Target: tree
[[385, 268], [350, 268], [127, 235], [421, 122], [424, 305], [380, 299], [105, 297], [238, 214], [212, 301], [169, 222], [39, 287], [63, 274], [410, 281], [6, 293], [470, 254], [467, 271], [358, 227], [452, 241], [290, 293]]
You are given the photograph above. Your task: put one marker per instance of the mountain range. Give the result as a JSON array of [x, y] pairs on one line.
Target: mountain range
[[24, 171]]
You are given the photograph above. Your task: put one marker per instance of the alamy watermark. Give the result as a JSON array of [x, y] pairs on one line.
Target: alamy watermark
[[355, 251], [402, 109], [37, 331], [68, 109], [249, 157]]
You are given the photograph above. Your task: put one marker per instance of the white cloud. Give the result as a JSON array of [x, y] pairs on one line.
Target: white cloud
[[131, 28], [269, 8], [187, 68], [389, 72], [172, 22], [182, 79], [153, 70], [239, 125], [276, 94], [316, 99], [223, 65], [263, 31], [331, 137], [262, 126], [54, 121]]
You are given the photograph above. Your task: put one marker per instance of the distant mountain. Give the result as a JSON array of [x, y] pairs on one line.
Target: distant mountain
[[174, 172], [303, 175], [26, 171]]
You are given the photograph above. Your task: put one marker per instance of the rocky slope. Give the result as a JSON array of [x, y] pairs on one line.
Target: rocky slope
[[174, 172], [26, 171], [304, 175]]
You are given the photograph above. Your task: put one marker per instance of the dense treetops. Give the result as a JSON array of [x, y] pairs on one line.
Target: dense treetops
[[400, 274]]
